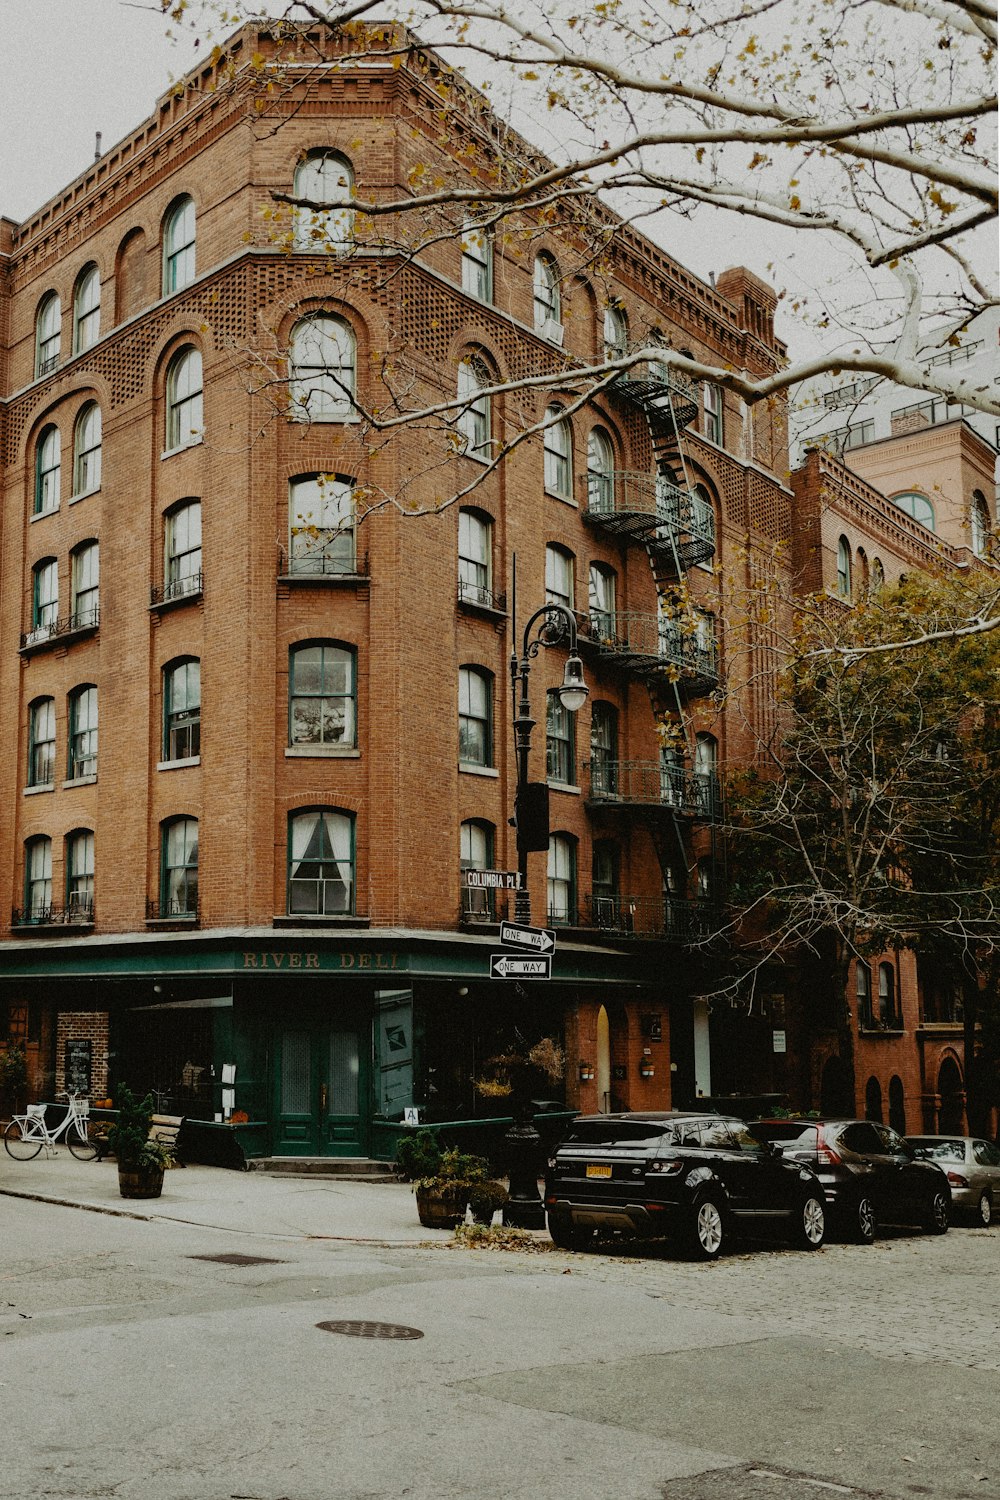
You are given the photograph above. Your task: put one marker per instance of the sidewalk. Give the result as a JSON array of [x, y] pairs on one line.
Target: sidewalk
[[383, 1213]]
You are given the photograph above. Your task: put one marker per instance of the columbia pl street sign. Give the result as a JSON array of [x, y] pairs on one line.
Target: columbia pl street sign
[[520, 966], [538, 939]]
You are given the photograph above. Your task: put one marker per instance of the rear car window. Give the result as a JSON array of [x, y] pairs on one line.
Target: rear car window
[[940, 1150], [787, 1133], [629, 1135]]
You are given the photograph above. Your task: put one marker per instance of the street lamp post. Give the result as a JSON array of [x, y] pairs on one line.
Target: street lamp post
[[556, 626]]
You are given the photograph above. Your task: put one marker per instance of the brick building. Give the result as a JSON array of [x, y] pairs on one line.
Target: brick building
[[255, 672]]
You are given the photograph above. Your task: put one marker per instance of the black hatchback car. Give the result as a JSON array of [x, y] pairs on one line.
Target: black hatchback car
[[694, 1177], [869, 1174]]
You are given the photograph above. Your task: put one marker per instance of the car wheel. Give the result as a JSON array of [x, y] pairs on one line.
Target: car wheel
[[708, 1229], [566, 1236], [982, 1214], [810, 1226], [863, 1226], [937, 1213]]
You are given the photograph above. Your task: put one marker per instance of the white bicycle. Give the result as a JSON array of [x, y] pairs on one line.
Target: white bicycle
[[28, 1133]]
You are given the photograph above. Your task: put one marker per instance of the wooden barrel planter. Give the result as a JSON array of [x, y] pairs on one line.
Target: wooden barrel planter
[[143, 1182], [441, 1207]]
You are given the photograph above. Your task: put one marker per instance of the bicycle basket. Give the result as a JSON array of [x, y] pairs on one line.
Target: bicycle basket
[[36, 1111], [83, 1108]]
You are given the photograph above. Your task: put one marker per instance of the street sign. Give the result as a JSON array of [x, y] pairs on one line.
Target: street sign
[[540, 939], [491, 880], [519, 966]]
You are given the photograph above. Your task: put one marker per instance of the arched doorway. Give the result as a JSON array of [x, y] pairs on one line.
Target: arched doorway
[[603, 1065], [897, 1105], [873, 1100], [836, 1096], [951, 1092]]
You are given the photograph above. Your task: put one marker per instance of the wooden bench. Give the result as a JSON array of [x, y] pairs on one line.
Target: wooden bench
[[166, 1128]]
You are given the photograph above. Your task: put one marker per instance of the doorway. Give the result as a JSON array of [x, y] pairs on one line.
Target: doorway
[[321, 1086]]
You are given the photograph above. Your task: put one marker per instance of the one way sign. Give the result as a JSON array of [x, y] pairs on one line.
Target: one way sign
[[514, 966], [538, 938]]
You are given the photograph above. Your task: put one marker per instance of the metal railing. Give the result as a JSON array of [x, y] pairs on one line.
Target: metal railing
[[321, 565], [170, 911], [78, 912], [650, 783], [674, 917], [480, 597], [636, 492], [76, 624], [178, 588]]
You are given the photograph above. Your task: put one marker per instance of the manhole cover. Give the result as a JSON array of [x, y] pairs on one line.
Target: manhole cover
[[234, 1259], [365, 1330]]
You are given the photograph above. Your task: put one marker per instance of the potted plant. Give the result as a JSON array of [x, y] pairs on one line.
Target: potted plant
[[443, 1195], [418, 1155], [13, 1073], [486, 1198], [141, 1161]]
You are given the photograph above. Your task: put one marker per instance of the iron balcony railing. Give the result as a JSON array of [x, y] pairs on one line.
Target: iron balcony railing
[[659, 382], [653, 784], [78, 912], [650, 643], [75, 624], [178, 588], [480, 597], [332, 564], [673, 917], [172, 911], [630, 498]]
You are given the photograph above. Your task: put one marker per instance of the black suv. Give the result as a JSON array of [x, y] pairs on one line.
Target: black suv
[[692, 1176], [868, 1172]]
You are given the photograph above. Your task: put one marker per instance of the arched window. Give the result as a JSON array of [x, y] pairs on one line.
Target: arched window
[[914, 504], [615, 332], [897, 1105], [602, 591], [182, 709], [476, 842], [600, 473], [87, 450], [38, 879], [322, 695], [85, 579], [130, 276], [877, 578], [322, 362], [473, 421], [886, 994], [547, 298], [603, 749], [48, 334], [844, 568], [321, 863], [179, 868], [326, 180], [713, 412], [87, 309], [182, 550], [42, 742], [321, 522], [185, 409], [873, 1101], [863, 573], [48, 470], [561, 879], [475, 558], [82, 746], [477, 261], [475, 716], [178, 246], [558, 441], [980, 518], [560, 741], [44, 598], [559, 580], [80, 875], [863, 991], [704, 521]]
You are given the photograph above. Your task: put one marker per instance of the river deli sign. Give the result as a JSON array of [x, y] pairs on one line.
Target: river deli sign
[[336, 962]]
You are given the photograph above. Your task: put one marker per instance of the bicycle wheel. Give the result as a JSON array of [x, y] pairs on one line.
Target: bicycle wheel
[[79, 1142], [23, 1139]]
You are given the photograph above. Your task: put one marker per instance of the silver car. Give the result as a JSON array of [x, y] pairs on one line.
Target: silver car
[[973, 1169]]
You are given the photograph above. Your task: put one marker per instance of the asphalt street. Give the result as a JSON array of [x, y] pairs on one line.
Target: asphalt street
[[137, 1366]]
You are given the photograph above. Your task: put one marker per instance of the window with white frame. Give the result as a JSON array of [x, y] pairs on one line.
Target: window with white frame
[[712, 407], [477, 261], [82, 745], [45, 597], [178, 246], [886, 994], [322, 695], [603, 749], [600, 473], [917, 506], [980, 518], [547, 298], [322, 368], [48, 471], [321, 878], [87, 450], [473, 421], [182, 709], [38, 879], [602, 589], [476, 853], [561, 879], [182, 550], [179, 868], [42, 742], [615, 332], [327, 181], [560, 741], [185, 405], [559, 580], [558, 441], [475, 717], [844, 568], [475, 558], [80, 875], [321, 523], [706, 762], [48, 334], [87, 309], [85, 579]]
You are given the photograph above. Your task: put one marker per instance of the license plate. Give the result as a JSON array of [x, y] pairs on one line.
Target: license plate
[[595, 1171]]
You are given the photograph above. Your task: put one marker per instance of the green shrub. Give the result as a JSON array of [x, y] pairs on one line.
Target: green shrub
[[418, 1155], [128, 1137]]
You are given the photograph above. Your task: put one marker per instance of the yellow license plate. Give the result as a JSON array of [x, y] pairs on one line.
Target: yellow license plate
[[594, 1171]]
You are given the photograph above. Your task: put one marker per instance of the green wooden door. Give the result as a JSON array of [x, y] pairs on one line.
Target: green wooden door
[[322, 1086]]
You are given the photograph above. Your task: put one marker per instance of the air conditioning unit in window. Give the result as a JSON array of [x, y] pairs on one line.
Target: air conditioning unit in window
[[553, 331]]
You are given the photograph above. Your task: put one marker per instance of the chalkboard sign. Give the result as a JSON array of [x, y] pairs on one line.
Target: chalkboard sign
[[78, 1066]]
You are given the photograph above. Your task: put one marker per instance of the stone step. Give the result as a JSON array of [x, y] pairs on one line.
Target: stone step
[[349, 1168]]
